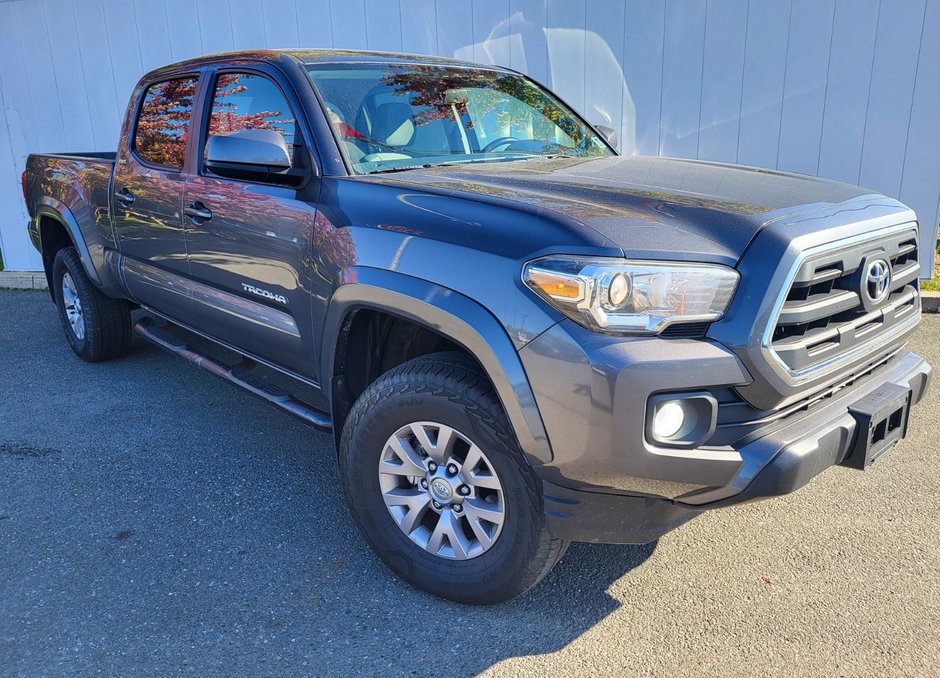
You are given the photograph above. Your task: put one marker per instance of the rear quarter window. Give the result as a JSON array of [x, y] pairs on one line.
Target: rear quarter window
[[163, 122]]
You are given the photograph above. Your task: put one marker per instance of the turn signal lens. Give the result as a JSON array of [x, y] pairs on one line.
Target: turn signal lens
[[557, 285]]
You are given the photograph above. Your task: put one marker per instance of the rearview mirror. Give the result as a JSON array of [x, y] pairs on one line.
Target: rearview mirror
[[458, 95], [248, 154], [608, 134]]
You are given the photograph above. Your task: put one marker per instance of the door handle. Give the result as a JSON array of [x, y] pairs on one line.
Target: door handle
[[124, 197], [198, 212]]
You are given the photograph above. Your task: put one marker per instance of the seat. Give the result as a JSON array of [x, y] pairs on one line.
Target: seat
[[393, 126]]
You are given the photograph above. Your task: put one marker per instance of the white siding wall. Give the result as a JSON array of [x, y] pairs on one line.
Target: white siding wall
[[846, 89]]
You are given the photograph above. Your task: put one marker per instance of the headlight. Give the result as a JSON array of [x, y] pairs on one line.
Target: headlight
[[622, 295]]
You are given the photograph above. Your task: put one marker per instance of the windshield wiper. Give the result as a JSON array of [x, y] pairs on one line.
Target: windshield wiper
[[472, 161], [385, 170]]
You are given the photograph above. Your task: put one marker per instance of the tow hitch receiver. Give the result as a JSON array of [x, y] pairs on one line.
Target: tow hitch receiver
[[882, 422]]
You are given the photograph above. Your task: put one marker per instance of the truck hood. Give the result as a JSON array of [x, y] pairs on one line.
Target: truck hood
[[648, 207]]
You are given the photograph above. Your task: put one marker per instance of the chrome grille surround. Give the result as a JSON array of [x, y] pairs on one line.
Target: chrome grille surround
[[829, 327]]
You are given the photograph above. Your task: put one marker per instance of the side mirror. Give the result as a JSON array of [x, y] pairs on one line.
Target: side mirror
[[257, 154], [608, 133]]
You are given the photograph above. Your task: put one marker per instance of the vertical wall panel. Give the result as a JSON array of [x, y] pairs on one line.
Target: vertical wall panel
[[383, 25], [804, 90], [120, 23], [604, 84], [920, 179], [528, 51], [69, 76], [454, 29], [248, 29], [644, 35], [490, 44], [314, 23], [853, 49], [47, 118], [722, 79], [419, 26], [182, 20], [565, 23], [215, 25], [846, 89], [765, 65], [280, 23], [682, 78], [20, 123], [897, 48], [349, 24], [103, 104], [14, 243], [153, 34]]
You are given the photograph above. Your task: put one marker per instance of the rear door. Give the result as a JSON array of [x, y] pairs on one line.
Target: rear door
[[147, 192], [250, 243]]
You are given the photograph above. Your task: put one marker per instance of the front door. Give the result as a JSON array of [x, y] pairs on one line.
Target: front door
[[250, 242], [146, 196]]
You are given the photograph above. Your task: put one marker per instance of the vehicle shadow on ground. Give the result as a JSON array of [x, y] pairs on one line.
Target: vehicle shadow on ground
[[350, 609], [177, 522]]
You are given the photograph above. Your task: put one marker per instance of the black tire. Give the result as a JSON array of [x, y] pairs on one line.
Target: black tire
[[450, 389], [107, 321]]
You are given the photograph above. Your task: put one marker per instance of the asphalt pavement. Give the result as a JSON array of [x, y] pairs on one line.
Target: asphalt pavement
[[155, 520]]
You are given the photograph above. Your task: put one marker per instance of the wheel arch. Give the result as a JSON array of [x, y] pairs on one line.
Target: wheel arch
[[53, 220], [452, 316]]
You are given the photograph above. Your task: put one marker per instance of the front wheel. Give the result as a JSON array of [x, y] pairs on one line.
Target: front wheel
[[439, 487]]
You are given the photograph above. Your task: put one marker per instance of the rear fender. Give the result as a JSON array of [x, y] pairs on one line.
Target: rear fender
[[50, 208]]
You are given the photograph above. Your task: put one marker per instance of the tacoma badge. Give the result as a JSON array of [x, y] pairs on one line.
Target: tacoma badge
[[251, 289]]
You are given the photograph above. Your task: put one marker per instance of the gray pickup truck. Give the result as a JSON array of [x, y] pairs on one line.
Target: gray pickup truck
[[518, 337]]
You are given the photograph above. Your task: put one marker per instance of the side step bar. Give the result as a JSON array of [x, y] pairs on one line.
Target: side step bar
[[237, 375]]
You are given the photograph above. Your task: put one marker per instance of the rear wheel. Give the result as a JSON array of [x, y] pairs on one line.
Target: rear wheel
[[440, 488], [96, 326]]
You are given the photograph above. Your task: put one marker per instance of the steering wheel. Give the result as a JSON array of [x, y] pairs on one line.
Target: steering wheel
[[498, 142]]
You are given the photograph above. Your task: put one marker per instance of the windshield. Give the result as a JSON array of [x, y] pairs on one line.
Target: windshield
[[390, 117]]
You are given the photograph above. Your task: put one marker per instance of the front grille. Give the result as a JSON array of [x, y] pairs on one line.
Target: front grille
[[823, 315]]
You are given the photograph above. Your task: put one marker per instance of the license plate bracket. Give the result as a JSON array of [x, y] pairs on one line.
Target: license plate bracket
[[882, 418]]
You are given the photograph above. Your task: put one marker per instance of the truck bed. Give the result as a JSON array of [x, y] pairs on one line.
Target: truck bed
[[75, 189], [88, 155]]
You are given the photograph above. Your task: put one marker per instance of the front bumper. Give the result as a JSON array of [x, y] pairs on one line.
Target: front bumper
[[790, 456], [607, 484]]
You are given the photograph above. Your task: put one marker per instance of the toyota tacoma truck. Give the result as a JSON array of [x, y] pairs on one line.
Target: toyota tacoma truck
[[518, 337]]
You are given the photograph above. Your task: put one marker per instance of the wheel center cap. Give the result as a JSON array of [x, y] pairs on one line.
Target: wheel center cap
[[441, 490]]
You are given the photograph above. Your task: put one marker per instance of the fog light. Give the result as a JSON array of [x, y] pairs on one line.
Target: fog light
[[668, 419], [682, 420]]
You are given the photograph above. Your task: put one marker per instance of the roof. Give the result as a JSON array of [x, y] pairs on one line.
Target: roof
[[313, 56]]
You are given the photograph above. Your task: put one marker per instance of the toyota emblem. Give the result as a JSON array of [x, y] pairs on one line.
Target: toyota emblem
[[877, 281]]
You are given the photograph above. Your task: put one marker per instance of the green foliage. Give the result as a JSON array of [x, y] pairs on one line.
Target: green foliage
[[932, 285]]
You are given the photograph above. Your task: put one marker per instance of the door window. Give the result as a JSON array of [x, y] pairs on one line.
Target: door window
[[244, 101], [163, 122]]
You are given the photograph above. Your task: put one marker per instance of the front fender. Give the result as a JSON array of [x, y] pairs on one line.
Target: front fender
[[454, 316]]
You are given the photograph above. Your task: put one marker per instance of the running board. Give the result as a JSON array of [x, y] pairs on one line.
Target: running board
[[238, 375]]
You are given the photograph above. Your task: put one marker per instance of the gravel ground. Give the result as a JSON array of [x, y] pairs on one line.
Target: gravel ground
[[155, 520]]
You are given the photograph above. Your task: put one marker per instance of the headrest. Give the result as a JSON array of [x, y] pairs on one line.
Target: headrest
[[393, 124]]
